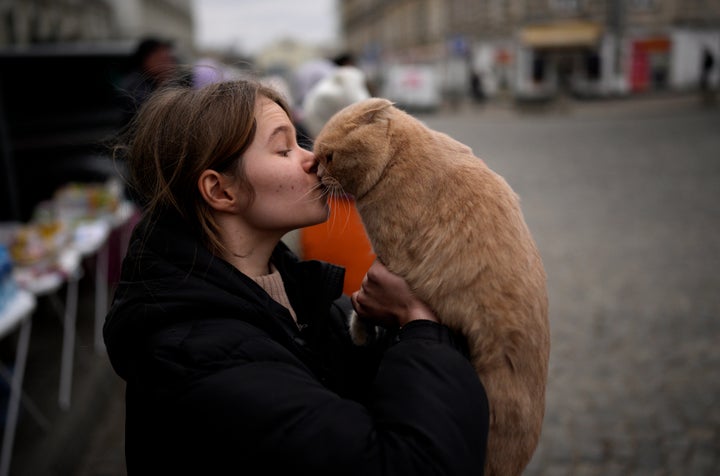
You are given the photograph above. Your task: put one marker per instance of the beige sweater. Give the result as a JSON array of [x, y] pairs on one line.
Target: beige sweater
[[273, 284]]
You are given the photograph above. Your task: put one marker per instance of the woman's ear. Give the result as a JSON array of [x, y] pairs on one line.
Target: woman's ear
[[218, 191]]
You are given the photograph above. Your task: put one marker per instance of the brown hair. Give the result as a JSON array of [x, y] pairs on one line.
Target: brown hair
[[181, 132]]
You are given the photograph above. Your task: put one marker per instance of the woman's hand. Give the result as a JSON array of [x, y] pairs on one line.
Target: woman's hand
[[385, 299]]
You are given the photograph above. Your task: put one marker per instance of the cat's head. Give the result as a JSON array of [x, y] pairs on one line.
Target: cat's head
[[353, 148]]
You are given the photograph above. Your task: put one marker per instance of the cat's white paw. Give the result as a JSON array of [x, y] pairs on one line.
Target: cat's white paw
[[360, 332]]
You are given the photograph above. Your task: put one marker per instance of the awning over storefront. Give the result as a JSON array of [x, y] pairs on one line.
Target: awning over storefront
[[561, 35]]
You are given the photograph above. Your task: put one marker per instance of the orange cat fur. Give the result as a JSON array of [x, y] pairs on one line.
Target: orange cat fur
[[438, 216]]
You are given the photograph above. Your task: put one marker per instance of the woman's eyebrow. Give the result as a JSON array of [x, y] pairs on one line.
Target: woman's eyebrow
[[279, 130]]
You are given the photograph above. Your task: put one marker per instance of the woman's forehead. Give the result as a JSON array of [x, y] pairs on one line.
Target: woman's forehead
[[266, 108], [269, 116]]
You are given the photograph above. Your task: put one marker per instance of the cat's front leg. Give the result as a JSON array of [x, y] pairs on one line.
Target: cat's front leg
[[362, 332]]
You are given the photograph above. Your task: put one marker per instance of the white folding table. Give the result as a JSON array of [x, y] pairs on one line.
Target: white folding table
[[18, 313], [88, 239], [46, 283]]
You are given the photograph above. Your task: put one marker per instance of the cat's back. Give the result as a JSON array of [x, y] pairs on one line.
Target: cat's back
[[440, 206], [439, 177], [435, 158]]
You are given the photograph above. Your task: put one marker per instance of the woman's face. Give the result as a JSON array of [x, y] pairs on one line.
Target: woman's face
[[283, 175]]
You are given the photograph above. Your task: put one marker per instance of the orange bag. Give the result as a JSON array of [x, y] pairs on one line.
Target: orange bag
[[340, 240]]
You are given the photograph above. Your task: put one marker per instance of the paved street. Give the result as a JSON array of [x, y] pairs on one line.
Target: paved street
[[624, 201]]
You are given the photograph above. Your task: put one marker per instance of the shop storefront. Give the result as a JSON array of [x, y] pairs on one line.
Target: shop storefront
[[649, 63], [560, 58]]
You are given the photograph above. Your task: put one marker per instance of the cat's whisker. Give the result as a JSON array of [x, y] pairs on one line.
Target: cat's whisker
[[348, 210], [332, 199], [339, 198], [309, 195]]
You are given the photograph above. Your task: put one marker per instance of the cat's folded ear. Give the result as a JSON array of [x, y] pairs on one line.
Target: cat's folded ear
[[372, 109]]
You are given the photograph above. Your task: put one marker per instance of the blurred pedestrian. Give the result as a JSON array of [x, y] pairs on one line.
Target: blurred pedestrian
[[476, 86], [308, 75], [236, 354], [706, 67], [207, 70], [152, 64], [706, 71], [321, 88], [345, 85], [304, 78]]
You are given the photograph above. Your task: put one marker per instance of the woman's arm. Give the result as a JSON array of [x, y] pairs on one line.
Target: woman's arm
[[426, 414], [425, 411]]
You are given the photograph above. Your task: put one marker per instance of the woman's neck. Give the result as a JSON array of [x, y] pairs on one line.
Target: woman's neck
[[253, 262], [247, 249]]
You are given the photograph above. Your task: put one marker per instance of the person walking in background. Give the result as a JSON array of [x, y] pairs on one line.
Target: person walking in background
[[321, 87], [235, 353], [304, 78], [152, 64], [706, 70], [346, 84]]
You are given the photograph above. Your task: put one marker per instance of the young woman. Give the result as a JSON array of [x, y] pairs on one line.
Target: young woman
[[236, 354]]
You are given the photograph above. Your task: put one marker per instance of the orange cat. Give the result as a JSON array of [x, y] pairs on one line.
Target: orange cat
[[438, 216]]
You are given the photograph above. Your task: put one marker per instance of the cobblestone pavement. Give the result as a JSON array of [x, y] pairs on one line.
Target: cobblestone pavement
[[624, 202]]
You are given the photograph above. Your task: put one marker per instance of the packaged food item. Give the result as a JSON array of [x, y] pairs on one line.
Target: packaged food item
[[79, 201], [8, 287], [38, 243]]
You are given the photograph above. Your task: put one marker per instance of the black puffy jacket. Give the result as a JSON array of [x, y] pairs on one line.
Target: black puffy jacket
[[220, 380]]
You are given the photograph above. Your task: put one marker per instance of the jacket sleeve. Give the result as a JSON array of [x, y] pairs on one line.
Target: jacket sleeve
[[431, 410], [427, 414]]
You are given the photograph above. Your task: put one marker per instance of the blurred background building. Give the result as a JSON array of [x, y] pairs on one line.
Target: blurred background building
[[536, 48], [28, 22]]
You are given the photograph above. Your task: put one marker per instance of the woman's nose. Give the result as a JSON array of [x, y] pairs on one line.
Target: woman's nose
[[309, 163]]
